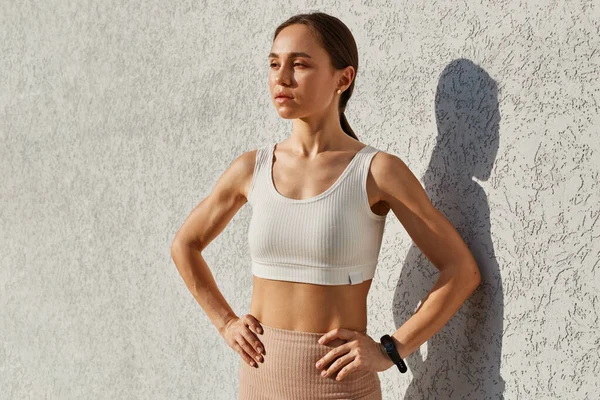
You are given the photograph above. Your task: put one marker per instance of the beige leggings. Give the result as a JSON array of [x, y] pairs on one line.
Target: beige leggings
[[289, 373]]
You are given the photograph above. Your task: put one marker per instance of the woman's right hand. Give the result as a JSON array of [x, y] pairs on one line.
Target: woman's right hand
[[244, 341]]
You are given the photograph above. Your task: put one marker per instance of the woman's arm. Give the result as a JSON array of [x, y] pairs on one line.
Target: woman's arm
[[206, 221], [438, 240]]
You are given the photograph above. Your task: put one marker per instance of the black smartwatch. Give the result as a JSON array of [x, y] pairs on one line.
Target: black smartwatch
[[390, 349]]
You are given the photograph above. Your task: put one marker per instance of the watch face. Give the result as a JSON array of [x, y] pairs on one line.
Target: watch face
[[388, 346]]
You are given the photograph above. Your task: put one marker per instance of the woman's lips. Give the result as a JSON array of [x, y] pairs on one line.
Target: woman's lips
[[282, 99]]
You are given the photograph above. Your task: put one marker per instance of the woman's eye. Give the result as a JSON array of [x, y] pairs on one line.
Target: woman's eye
[[296, 64]]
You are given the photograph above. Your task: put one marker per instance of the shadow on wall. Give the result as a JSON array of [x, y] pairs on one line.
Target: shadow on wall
[[463, 359]]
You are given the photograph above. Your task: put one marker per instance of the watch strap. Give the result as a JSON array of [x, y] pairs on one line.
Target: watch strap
[[392, 352]]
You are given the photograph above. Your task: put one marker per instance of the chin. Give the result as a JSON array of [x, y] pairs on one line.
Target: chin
[[287, 113]]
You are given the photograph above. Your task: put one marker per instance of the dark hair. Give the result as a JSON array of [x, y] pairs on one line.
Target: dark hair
[[337, 40]]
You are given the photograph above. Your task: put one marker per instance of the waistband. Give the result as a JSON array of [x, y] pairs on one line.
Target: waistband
[[290, 332], [289, 371]]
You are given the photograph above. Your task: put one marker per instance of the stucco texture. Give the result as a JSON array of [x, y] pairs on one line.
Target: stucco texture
[[117, 118]]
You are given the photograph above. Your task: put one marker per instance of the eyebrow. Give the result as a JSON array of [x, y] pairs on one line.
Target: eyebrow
[[292, 54]]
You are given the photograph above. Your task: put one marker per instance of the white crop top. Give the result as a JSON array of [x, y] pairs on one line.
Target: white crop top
[[333, 238]]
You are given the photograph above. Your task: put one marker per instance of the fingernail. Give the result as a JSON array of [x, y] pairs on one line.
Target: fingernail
[[260, 350], [323, 373], [260, 330]]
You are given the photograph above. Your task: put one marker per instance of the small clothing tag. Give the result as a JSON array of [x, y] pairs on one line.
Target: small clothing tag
[[355, 277]]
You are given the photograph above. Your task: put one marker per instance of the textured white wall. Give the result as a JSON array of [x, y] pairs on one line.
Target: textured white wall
[[118, 118]]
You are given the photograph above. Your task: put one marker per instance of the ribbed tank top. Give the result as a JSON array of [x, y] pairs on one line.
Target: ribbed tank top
[[333, 238]]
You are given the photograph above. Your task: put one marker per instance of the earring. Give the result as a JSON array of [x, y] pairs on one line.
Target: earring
[[339, 91]]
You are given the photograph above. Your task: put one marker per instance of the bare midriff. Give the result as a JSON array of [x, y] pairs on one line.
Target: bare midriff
[[309, 307]]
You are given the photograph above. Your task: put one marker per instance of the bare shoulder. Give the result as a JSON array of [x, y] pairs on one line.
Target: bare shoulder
[[389, 166], [214, 212], [428, 227], [240, 172], [393, 180], [401, 190]]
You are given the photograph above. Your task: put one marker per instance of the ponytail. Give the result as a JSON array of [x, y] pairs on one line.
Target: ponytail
[[346, 126]]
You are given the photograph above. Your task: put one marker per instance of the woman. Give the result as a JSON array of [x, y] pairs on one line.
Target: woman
[[319, 199]]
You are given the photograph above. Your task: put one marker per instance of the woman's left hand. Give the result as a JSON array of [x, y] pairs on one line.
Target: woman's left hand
[[359, 353]]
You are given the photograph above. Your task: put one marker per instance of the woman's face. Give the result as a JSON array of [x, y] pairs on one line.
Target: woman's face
[[301, 68]]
